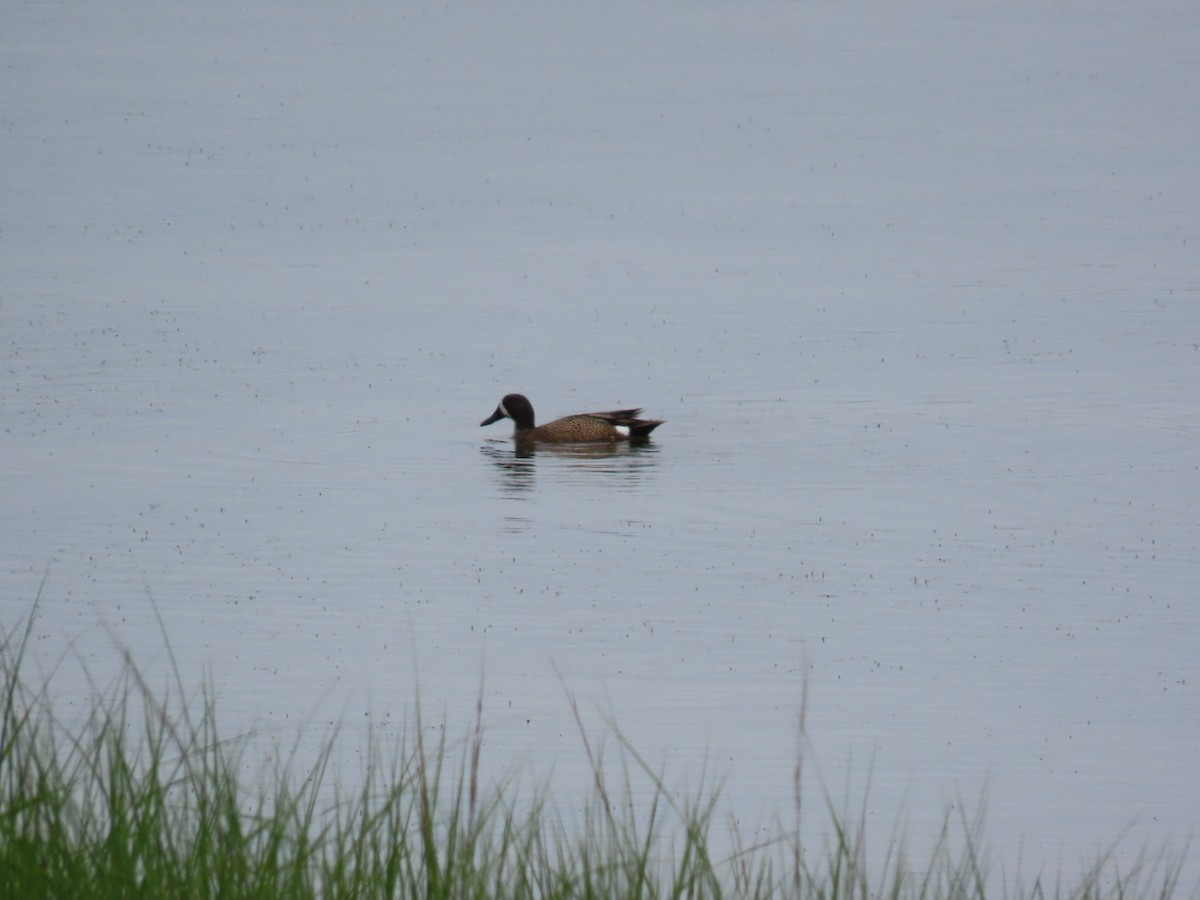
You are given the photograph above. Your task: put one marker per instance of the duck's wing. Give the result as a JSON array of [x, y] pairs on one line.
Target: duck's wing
[[617, 416]]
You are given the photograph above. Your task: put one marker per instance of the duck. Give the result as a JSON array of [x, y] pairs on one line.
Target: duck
[[581, 428]]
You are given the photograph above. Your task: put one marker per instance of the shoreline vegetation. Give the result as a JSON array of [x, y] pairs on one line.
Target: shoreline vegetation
[[144, 798]]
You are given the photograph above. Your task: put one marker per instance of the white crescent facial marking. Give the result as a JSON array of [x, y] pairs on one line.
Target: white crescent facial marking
[[503, 410]]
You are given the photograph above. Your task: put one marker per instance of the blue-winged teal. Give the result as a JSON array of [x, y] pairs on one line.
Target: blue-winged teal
[[597, 427]]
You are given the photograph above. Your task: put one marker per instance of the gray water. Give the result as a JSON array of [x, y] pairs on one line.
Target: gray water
[[917, 299]]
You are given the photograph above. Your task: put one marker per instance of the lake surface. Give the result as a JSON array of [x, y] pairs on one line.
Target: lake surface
[[916, 292]]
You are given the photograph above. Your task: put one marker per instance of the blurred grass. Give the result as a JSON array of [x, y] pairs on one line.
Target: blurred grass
[[143, 798]]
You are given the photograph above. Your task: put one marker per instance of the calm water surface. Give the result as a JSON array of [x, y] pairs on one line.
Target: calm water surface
[[984, 585], [928, 366]]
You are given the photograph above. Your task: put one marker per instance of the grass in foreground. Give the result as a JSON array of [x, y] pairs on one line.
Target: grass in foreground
[[144, 799]]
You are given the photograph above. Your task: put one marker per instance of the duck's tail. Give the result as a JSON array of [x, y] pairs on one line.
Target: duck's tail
[[628, 418]]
